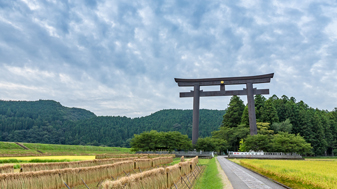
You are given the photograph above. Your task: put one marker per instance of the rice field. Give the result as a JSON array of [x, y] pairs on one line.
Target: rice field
[[296, 174]]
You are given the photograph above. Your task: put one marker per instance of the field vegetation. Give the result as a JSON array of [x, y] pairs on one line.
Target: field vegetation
[[159, 178], [296, 174], [53, 175], [10, 149], [58, 149], [210, 177]]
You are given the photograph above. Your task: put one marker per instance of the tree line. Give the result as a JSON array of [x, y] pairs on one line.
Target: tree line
[[279, 118], [47, 121], [282, 122]]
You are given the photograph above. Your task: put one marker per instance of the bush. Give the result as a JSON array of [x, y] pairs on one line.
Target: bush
[[281, 142]]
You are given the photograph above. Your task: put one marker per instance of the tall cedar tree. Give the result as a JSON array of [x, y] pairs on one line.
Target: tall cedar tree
[[232, 117], [245, 116], [269, 113], [259, 103]]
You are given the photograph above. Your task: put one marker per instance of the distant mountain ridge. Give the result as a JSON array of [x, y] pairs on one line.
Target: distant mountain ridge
[[47, 121]]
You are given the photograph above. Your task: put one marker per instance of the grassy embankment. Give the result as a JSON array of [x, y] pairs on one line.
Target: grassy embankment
[[296, 174], [11, 149], [58, 149], [210, 178]]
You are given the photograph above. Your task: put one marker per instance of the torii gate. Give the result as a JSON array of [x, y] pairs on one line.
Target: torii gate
[[249, 91]]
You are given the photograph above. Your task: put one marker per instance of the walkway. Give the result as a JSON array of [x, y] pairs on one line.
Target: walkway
[[242, 178]]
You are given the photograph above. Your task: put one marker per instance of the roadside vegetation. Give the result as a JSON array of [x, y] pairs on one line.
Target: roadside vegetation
[[210, 177], [296, 174]]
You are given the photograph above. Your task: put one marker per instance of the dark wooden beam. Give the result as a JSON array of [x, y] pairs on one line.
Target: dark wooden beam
[[224, 93], [195, 127], [225, 80]]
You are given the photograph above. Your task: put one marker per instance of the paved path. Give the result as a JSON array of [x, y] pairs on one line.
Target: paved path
[[242, 178]]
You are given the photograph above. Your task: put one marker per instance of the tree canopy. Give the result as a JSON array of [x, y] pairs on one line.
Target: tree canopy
[[157, 141]]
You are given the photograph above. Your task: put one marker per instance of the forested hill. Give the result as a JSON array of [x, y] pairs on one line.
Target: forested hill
[[47, 121]]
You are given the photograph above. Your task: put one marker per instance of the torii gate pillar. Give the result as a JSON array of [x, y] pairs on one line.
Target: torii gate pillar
[[249, 91]]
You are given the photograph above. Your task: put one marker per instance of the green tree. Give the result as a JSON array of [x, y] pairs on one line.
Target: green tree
[[263, 128], [146, 141], [285, 142], [245, 116], [269, 113], [259, 103], [232, 135], [232, 117], [284, 126], [173, 140], [154, 141], [257, 143], [211, 144]]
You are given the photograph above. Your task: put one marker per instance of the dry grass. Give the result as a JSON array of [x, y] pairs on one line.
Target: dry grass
[[108, 156], [62, 165], [154, 179], [162, 160], [6, 169], [143, 163], [105, 156], [159, 178], [72, 176]]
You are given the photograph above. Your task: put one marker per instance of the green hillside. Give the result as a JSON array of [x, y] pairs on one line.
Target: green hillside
[[47, 121]]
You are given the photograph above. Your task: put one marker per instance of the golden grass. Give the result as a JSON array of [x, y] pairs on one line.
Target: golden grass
[[173, 174], [299, 174], [143, 163], [182, 159], [159, 178], [161, 160], [6, 169], [154, 179], [62, 165], [108, 156], [105, 156], [51, 179]]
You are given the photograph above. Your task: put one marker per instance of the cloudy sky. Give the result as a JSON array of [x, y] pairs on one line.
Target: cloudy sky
[[121, 57]]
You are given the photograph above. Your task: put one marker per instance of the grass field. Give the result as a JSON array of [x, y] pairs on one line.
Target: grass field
[[210, 178], [11, 149], [296, 174], [58, 149]]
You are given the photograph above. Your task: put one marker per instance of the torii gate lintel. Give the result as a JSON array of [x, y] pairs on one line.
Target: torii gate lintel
[[249, 91]]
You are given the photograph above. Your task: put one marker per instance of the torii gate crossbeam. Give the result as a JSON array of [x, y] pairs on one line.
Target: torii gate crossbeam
[[222, 82]]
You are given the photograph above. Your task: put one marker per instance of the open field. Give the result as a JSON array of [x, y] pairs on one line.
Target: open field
[[296, 174], [11, 149]]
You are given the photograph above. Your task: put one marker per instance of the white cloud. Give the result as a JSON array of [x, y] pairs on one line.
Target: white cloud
[[120, 57]]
